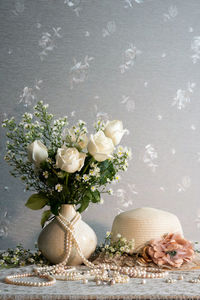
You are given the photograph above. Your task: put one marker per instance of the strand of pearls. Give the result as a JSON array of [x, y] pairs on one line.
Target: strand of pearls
[[101, 274], [11, 280]]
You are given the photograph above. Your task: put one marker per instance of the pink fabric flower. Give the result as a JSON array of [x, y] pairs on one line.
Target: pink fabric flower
[[172, 250]]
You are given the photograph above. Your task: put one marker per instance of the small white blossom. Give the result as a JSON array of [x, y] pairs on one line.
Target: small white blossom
[[45, 174], [117, 178], [124, 240], [58, 187], [92, 173], [110, 192], [14, 259], [78, 177], [86, 177], [5, 254], [93, 165], [129, 153], [101, 201], [93, 188], [119, 236], [81, 122], [49, 160]]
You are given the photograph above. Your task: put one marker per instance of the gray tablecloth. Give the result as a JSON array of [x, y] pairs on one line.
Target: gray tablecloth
[[153, 289]]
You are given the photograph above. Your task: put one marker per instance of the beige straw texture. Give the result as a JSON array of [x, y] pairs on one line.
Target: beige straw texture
[[145, 223]]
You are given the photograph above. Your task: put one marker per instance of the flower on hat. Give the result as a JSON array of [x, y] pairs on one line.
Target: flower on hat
[[171, 250]]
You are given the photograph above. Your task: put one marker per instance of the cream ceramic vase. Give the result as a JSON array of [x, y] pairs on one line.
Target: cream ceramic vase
[[51, 241]]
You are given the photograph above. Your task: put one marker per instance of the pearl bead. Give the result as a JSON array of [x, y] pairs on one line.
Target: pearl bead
[[98, 282], [143, 281], [112, 282], [85, 281]]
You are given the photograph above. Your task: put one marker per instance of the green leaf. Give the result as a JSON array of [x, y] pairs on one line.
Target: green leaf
[[52, 180], [45, 216], [55, 208], [95, 196], [36, 201], [84, 203], [107, 171]]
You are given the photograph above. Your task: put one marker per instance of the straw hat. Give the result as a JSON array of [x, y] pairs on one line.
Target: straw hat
[[145, 223]]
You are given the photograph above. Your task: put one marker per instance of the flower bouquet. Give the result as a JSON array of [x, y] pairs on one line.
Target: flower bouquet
[[62, 164]]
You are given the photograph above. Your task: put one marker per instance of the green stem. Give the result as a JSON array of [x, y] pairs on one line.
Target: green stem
[[66, 179], [86, 167]]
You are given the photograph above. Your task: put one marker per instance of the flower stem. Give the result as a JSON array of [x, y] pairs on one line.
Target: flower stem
[[86, 167], [66, 179]]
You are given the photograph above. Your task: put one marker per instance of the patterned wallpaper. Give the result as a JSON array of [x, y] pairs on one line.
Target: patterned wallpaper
[[133, 60]]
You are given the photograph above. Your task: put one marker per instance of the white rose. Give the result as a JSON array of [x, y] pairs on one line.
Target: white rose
[[69, 159], [100, 146], [37, 152], [114, 130]]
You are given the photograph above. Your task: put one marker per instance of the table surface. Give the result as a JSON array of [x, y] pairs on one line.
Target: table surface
[[153, 289]]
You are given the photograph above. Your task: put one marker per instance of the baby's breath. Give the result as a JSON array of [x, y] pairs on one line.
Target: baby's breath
[[20, 256], [118, 246]]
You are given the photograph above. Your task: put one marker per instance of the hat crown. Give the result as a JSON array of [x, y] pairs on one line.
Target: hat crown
[[145, 223]]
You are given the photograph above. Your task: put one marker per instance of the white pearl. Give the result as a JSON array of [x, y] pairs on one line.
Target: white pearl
[[143, 281], [85, 281], [98, 282], [112, 282]]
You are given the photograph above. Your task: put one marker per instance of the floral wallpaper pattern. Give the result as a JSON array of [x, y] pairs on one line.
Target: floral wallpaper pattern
[[133, 60]]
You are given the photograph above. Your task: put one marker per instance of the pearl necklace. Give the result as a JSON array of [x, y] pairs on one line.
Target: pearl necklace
[[101, 274], [9, 279]]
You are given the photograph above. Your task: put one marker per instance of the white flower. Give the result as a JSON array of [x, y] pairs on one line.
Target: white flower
[[86, 177], [81, 122], [117, 178], [78, 177], [101, 201], [119, 236], [129, 153], [45, 174], [110, 192], [100, 146], [108, 233], [81, 139], [14, 259], [124, 240], [114, 130], [92, 173], [58, 187], [49, 160], [5, 254], [37, 152], [69, 159], [93, 188], [120, 153]]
